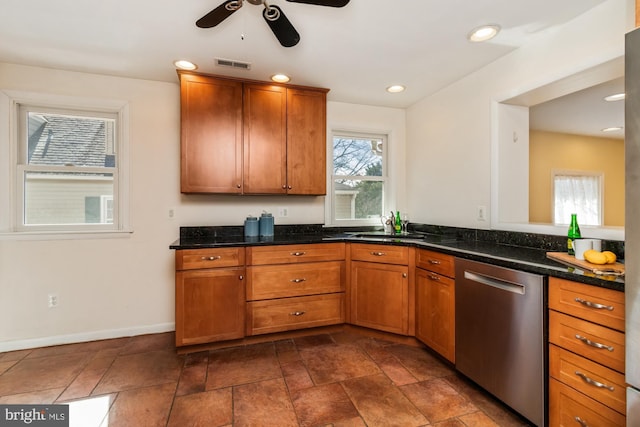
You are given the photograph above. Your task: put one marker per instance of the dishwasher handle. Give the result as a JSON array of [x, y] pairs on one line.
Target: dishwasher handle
[[495, 282]]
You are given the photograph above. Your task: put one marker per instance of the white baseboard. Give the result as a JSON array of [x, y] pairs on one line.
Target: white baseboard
[[85, 337]]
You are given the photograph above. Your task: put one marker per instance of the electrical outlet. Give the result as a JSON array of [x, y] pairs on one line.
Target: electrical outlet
[[53, 300], [283, 212], [172, 213], [482, 213]]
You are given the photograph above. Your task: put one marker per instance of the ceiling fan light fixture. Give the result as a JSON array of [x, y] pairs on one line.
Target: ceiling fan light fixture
[[396, 89], [183, 64], [615, 97], [483, 33], [280, 78]]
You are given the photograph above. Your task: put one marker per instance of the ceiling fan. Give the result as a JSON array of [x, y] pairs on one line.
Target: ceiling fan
[[272, 14]]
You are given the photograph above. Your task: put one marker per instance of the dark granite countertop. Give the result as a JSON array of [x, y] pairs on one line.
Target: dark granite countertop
[[456, 244]]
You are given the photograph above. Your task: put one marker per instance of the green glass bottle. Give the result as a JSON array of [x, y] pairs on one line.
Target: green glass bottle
[[398, 223], [574, 233]]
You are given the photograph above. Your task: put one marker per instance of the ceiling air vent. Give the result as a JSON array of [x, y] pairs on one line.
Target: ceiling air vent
[[233, 64]]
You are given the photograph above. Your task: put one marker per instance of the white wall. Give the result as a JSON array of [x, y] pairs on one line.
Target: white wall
[[110, 287], [449, 134]]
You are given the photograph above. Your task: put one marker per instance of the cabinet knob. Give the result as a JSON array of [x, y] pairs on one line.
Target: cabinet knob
[[404, 275], [239, 185], [284, 187], [296, 313], [241, 277], [289, 187]]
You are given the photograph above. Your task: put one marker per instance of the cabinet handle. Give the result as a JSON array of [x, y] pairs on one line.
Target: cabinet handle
[[593, 343], [210, 258], [296, 313], [298, 280], [378, 253], [434, 277], [581, 422], [593, 382], [594, 304], [434, 262], [298, 253], [241, 277]]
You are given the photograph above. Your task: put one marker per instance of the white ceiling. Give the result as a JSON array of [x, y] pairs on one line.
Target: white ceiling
[[356, 51]]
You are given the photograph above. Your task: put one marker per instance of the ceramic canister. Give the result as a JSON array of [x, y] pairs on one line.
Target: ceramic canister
[[266, 224], [251, 227]]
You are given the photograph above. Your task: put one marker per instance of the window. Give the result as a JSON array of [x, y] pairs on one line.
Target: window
[[358, 178], [68, 169], [580, 193]]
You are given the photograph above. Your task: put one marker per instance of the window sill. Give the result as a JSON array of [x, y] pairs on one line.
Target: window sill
[[65, 235]]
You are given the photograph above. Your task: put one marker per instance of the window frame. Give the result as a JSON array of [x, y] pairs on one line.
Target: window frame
[[12, 179], [384, 178]]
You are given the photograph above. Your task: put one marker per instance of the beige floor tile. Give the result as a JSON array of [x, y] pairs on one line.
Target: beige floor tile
[[333, 363], [322, 405], [148, 407], [437, 400]]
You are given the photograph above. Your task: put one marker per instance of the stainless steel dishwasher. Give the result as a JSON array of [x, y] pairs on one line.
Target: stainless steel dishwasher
[[501, 334]]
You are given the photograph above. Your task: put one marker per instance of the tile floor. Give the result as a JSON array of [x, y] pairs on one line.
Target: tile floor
[[339, 379]]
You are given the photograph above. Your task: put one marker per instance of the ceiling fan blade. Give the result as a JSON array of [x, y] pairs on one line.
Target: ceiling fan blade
[[219, 14], [332, 3], [281, 26]]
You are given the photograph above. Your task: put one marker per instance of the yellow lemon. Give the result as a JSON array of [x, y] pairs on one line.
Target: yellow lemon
[[595, 257], [611, 257]]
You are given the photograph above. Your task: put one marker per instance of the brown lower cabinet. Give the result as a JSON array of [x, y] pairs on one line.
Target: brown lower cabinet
[[381, 288], [586, 355], [210, 295]]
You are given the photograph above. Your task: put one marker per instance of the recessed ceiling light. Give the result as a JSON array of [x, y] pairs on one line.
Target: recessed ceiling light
[[483, 33], [184, 64], [395, 89], [612, 129], [615, 97], [280, 78]]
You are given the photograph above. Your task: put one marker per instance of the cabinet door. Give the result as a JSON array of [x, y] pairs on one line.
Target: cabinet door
[[306, 142], [210, 305], [435, 312], [380, 296], [265, 143], [211, 135]]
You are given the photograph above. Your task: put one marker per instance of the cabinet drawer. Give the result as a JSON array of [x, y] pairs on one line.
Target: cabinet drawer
[[294, 313], [436, 262], [278, 281], [193, 259], [386, 254], [568, 407], [288, 254], [595, 342], [602, 384], [599, 305]]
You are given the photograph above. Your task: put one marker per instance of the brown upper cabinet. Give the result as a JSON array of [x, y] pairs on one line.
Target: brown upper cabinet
[[247, 137]]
